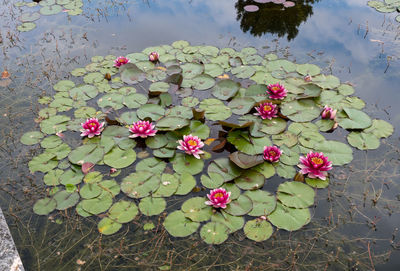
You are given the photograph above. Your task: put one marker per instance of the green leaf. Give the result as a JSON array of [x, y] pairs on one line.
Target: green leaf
[[196, 209], [240, 206], [150, 206], [169, 185], [140, 184], [86, 153], [44, 206], [263, 202], [290, 219], [338, 153], [380, 128], [356, 119], [183, 163], [152, 164], [317, 183], [258, 230], [300, 110], [246, 161], [247, 144], [118, 158], [215, 109], [363, 141], [178, 225], [66, 200], [31, 138], [108, 226], [225, 89], [250, 180], [296, 194], [186, 184]]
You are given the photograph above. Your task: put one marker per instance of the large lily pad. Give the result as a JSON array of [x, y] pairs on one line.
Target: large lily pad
[[140, 184], [258, 230], [178, 225], [288, 218], [296, 194]]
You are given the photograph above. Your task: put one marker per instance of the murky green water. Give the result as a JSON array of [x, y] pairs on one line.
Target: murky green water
[[355, 220]]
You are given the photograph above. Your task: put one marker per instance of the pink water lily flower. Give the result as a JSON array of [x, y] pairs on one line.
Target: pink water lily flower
[[272, 153], [121, 61], [308, 78], [218, 198], [92, 127], [315, 164], [267, 111], [142, 129], [191, 145], [276, 91], [328, 113], [153, 57]]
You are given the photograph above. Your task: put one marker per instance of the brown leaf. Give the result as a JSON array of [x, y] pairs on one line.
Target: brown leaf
[[220, 146], [5, 74], [87, 167]]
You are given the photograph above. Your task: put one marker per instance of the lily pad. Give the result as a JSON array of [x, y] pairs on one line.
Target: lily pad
[[118, 158], [263, 202], [240, 206], [356, 119], [301, 110], [225, 89], [196, 209], [247, 144], [215, 109], [296, 194], [183, 163], [363, 141], [45, 206], [108, 226], [317, 183], [66, 199], [31, 138], [250, 180], [178, 225], [258, 230], [186, 184], [214, 233], [337, 152], [150, 206], [290, 219], [140, 184]]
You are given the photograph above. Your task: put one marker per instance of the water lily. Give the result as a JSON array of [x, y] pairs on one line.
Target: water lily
[[92, 127], [315, 164], [153, 57], [276, 91], [308, 78], [267, 111], [218, 198], [121, 61], [191, 145], [142, 129], [272, 153], [328, 113]]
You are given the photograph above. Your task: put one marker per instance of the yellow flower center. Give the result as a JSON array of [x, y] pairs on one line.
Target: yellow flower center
[[275, 88], [272, 153], [121, 60], [267, 108], [317, 160], [192, 142], [92, 124], [218, 195]]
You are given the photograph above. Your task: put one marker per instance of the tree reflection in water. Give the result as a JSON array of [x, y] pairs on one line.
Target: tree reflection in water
[[274, 18]]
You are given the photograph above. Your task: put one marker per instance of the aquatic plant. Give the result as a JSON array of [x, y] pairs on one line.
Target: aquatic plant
[[315, 164], [91, 127], [266, 111], [272, 153], [328, 113], [276, 91], [191, 89], [218, 198], [153, 57], [142, 129], [386, 6], [191, 145], [121, 60]]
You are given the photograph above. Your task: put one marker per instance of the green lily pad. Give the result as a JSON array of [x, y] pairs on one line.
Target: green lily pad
[[215, 109], [31, 138], [97, 205], [66, 199], [150, 206], [203, 82], [171, 123], [43, 162], [158, 88], [301, 110], [338, 153], [317, 183], [250, 180], [151, 164], [363, 141], [45, 206], [53, 177], [246, 161], [296, 194], [241, 105], [131, 74], [90, 191], [25, 27], [29, 17], [50, 10], [273, 126], [186, 184], [266, 169], [54, 124], [263, 202], [258, 230], [108, 226], [86, 153], [196, 209], [118, 158], [308, 69], [240, 206], [225, 89], [178, 225], [168, 186], [286, 138], [356, 119], [152, 111], [196, 128], [214, 233], [140, 184], [290, 219], [191, 70], [285, 171], [380, 128], [183, 163], [135, 100], [213, 181], [247, 144], [224, 167], [233, 223]]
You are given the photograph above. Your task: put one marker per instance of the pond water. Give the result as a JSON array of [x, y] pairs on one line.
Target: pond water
[[354, 221]]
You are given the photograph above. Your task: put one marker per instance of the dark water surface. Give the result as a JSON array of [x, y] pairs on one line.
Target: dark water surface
[[345, 37]]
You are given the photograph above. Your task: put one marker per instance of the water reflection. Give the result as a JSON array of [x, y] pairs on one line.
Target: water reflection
[[273, 18]]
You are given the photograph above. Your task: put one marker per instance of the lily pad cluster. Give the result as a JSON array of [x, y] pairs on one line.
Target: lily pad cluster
[[386, 6], [190, 90], [47, 7]]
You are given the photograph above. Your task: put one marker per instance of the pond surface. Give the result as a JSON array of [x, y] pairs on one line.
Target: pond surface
[[355, 221]]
